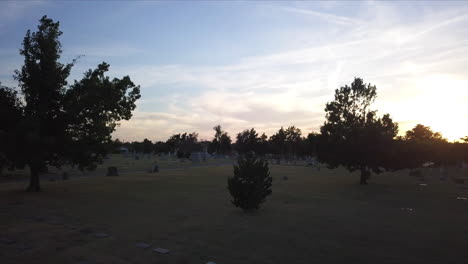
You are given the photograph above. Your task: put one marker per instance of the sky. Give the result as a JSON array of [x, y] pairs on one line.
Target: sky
[[260, 64]]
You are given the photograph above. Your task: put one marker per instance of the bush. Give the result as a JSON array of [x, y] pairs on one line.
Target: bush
[[251, 182]]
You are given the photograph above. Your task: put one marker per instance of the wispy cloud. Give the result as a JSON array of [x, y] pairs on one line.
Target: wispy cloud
[[11, 11], [405, 61], [340, 20]]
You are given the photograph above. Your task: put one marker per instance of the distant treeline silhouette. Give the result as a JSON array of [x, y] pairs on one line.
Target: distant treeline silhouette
[[418, 147]]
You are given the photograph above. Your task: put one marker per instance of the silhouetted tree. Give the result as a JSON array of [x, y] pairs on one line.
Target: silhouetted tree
[[221, 143], [423, 133], [161, 147], [184, 144], [293, 141], [248, 141], [352, 135], [309, 145], [11, 114], [67, 123], [421, 145], [147, 146], [115, 145], [262, 148], [225, 143], [251, 183], [278, 144]]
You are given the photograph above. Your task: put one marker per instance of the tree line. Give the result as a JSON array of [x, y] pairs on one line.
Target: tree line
[[51, 122], [418, 147], [285, 144]]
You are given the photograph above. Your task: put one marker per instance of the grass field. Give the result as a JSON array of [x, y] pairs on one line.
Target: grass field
[[313, 217]]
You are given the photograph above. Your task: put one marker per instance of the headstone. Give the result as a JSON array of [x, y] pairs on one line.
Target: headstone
[[161, 250], [64, 176], [155, 168], [112, 171], [443, 174], [85, 262], [195, 157], [142, 245], [407, 209]]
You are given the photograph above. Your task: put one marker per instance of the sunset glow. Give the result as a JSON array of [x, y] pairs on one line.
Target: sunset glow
[[269, 64]]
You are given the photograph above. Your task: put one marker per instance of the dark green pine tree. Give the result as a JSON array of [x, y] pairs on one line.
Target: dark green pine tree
[[251, 183]]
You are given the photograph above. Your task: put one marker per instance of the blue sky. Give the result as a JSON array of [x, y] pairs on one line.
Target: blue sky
[[261, 64]]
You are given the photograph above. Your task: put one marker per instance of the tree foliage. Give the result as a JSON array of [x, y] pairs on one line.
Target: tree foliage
[[62, 123], [353, 135], [421, 133], [248, 141], [11, 114], [221, 143], [251, 183], [184, 144]]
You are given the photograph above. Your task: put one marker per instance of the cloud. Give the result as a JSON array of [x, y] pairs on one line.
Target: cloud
[[417, 61], [340, 20], [11, 11], [404, 59]]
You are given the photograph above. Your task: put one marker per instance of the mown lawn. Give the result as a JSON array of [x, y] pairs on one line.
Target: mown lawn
[[312, 217]]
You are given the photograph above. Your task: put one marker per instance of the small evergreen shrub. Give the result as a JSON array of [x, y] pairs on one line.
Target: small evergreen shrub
[[251, 182]]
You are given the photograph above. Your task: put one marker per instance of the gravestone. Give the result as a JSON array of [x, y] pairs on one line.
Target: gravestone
[[64, 176], [195, 157], [155, 168], [112, 171], [161, 250], [142, 245], [85, 262]]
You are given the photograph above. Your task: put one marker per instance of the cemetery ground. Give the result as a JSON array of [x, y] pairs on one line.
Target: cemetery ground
[[312, 217]]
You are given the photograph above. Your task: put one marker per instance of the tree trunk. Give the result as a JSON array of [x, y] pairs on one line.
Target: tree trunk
[[34, 179], [364, 176]]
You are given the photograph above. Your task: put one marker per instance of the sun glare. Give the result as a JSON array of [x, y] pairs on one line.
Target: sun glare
[[442, 105]]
